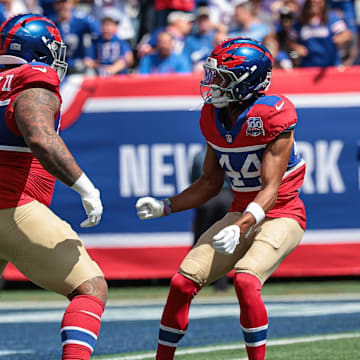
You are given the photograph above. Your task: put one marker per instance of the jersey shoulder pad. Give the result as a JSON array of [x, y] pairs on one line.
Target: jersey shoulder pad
[[38, 74], [278, 114]]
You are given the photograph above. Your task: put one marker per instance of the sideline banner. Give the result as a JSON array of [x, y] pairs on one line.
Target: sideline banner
[[137, 135]]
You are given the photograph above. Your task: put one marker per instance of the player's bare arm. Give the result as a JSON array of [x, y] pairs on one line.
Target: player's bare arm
[[274, 164], [207, 186], [35, 111]]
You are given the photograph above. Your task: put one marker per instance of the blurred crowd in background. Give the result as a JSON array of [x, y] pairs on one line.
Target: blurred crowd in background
[[108, 37]]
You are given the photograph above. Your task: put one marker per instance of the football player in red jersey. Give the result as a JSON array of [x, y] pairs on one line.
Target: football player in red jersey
[[250, 137], [32, 155]]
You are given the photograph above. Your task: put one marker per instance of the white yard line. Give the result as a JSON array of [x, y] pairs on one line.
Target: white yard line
[[197, 311], [230, 299], [208, 349], [14, 352]]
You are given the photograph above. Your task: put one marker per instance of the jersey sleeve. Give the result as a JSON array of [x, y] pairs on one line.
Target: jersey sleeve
[[281, 118], [34, 75], [204, 123], [39, 75]]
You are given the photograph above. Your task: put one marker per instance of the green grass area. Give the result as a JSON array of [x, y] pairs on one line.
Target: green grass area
[[342, 349], [315, 348], [160, 292]]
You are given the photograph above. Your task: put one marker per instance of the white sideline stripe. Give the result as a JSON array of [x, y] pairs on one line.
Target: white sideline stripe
[[165, 103], [69, 89], [14, 352], [208, 349], [221, 299], [131, 240], [206, 311], [175, 239], [349, 99], [141, 103]]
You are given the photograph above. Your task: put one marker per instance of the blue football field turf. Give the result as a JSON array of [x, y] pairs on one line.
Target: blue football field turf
[[32, 333]]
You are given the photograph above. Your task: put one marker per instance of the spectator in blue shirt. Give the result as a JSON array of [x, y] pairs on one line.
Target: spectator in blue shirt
[[246, 23], [77, 30], [346, 9], [199, 45], [108, 54], [318, 35], [179, 26], [164, 60]]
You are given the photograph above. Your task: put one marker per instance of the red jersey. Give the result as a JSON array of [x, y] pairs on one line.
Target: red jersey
[[183, 5], [240, 151], [22, 177]]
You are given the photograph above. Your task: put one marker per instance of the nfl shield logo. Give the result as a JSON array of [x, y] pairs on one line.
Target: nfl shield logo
[[255, 126], [229, 138]]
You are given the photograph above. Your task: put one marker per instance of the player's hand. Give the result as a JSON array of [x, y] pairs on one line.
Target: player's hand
[[93, 208], [149, 208], [226, 240]]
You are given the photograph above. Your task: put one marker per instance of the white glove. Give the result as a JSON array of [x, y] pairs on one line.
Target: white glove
[[149, 208], [226, 240], [93, 208], [90, 197]]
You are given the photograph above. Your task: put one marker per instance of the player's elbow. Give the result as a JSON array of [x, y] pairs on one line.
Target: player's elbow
[[213, 188], [39, 143]]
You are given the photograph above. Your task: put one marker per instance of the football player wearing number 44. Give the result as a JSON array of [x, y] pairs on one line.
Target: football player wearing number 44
[[250, 137]]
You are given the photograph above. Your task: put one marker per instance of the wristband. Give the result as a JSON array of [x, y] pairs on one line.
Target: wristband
[[256, 211], [167, 207], [83, 185]]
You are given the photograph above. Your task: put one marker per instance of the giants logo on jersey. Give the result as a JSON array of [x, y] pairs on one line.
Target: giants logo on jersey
[[254, 126]]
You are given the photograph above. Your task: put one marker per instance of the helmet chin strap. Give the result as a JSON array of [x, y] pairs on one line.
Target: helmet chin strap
[[218, 100]]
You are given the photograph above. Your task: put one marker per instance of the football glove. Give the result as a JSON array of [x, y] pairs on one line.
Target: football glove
[[149, 208], [226, 240], [93, 208], [90, 197]]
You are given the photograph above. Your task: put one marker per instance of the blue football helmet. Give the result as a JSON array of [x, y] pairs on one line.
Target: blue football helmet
[[236, 70], [27, 37]]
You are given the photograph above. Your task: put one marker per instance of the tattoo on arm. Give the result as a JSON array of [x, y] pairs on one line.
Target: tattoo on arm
[[35, 111]]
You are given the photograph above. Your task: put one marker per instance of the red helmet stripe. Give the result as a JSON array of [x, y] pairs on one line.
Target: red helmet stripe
[[2, 26], [54, 31]]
